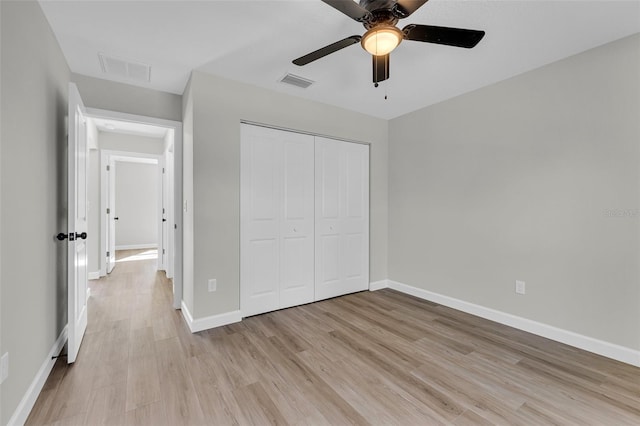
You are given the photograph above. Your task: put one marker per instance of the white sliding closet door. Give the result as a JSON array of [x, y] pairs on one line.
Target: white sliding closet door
[[342, 218], [276, 219]]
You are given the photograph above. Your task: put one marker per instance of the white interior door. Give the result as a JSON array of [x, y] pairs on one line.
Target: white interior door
[[112, 216], [296, 225], [276, 219], [162, 218], [164, 228], [341, 218], [77, 222], [259, 222], [169, 213]]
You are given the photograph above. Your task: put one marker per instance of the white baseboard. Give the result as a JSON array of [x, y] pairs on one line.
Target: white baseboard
[[378, 285], [213, 321], [94, 275], [137, 246], [29, 399], [600, 347]]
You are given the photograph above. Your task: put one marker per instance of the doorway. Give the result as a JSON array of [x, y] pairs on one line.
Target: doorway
[[135, 216], [129, 145]]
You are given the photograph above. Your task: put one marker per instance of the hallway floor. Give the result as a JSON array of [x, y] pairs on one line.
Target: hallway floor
[[367, 358]]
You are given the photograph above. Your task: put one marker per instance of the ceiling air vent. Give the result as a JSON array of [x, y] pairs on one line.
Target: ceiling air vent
[[297, 81], [125, 69]]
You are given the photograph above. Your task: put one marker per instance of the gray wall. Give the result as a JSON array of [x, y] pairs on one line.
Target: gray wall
[[33, 195], [218, 107], [112, 96], [130, 143], [136, 204], [517, 181]]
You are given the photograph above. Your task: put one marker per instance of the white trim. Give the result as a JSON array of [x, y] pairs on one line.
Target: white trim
[[600, 347], [142, 119], [93, 275], [29, 399], [302, 132], [213, 321], [133, 157], [137, 246], [378, 285]]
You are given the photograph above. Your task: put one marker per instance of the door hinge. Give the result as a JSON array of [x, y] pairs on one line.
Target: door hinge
[[108, 168], [163, 170], [162, 251], [163, 210], [108, 254], [108, 210]]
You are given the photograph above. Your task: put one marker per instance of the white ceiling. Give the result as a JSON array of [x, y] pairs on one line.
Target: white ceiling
[[255, 41]]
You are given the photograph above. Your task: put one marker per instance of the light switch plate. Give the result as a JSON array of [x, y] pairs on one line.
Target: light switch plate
[[4, 367]]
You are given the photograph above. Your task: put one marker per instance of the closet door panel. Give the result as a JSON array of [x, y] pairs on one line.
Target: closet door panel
[[328, 163], [355, 222], [342, 218], [328, 211], [263, 273], [260, 207], [297, 231]]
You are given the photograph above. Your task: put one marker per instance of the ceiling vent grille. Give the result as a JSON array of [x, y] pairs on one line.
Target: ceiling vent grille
[[125, 69], [297, 81]]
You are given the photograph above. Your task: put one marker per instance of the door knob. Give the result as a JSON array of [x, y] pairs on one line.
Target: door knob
[[115, 218], [164, 220], [72, 236]]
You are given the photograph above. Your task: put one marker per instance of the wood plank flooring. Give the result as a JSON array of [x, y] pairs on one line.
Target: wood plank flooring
[[367, 358]]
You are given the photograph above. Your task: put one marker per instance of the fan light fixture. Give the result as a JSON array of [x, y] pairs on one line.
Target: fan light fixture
[[381, 40]]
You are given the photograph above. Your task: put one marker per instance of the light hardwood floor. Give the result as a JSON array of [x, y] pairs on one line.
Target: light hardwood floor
[[366, 358]]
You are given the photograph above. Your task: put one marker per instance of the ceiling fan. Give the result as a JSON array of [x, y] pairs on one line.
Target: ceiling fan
[[380, 17]]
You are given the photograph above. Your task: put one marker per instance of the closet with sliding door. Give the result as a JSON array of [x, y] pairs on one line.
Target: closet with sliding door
[[304, 218]]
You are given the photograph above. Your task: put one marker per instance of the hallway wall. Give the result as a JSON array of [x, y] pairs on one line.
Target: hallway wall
[[33, 194], [113, 96]]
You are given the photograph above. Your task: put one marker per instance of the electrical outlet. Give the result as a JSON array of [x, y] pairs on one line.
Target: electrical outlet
[[520, 287], [213, 284], [4, 367]]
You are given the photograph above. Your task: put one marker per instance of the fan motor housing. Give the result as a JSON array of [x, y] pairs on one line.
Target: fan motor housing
[[372, 5], [380, 17]]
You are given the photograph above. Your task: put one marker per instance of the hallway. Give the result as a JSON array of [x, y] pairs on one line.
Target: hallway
[[131, 328]]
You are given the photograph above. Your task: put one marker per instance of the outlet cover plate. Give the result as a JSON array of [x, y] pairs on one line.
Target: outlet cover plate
[[520, 287]]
